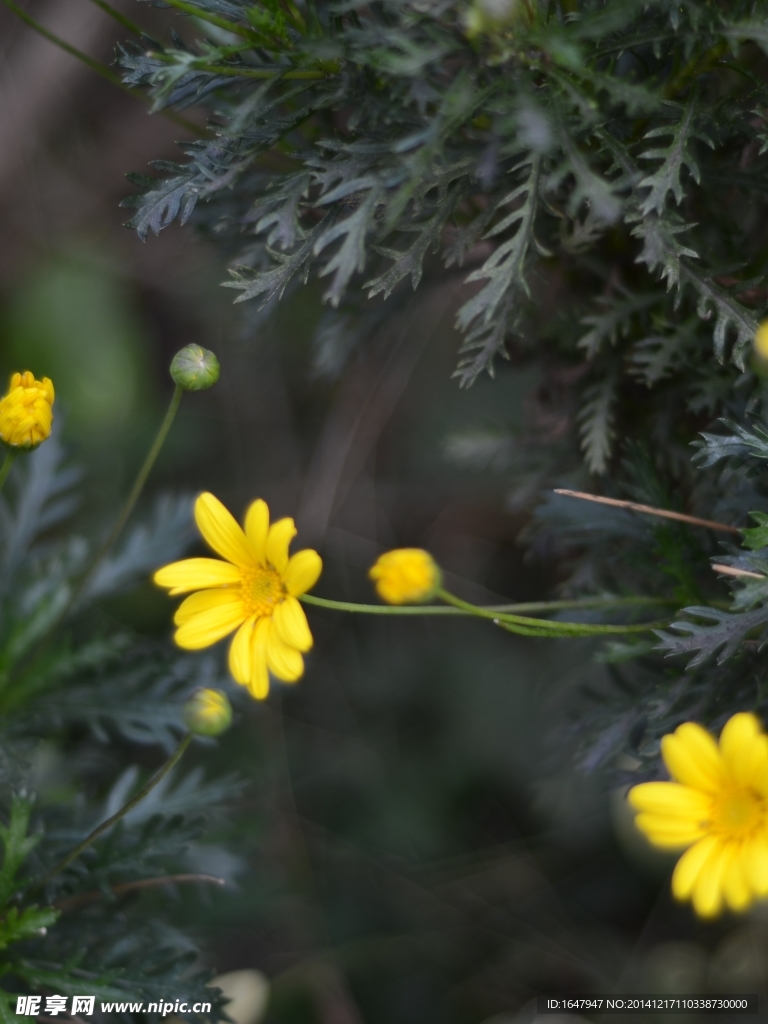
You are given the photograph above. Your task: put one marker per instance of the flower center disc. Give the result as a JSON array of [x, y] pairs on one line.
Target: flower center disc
[[739, 812], [262, 590]]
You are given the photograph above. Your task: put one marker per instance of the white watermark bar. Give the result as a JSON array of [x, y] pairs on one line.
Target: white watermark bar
[[689, 1003], [80, 1006]]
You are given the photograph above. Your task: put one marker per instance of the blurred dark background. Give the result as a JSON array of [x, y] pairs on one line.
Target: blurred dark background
[[412, 844]]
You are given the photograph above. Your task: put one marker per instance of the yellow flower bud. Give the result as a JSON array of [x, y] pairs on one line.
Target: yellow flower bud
[[406, 576], [26, 412], [208, 712]]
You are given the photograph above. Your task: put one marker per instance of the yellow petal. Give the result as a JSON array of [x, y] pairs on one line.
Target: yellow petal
[[708, 892], [205, 599], [258, 685], [736, 889], [291, 624], [280, 536], [744, 748], [220, 529], [302, 572], [196, 574], [668, 833], [689, 866], [693, 757], [240, 659], [756, 864], [257, 528], [284, 662], [670, 798], [209, 627]]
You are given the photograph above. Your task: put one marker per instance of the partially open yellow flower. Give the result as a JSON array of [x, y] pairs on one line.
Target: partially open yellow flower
[[208, 712], [256, 589], [26, 411], [717, 807], [406, 576]]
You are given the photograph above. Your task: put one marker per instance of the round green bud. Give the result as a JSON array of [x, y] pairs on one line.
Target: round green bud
[[208, 712], [195, 368]]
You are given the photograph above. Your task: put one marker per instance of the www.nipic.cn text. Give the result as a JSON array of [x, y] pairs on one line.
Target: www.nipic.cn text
[[51, 1006]]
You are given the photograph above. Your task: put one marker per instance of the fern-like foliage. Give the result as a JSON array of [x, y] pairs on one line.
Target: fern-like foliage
[[363, 145], [107, 691], [589, 180]]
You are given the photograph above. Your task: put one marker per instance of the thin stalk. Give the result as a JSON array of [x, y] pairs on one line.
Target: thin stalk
[[72, 902], [106, 825], [697, 65], [119, 17], [542, 627], [731, 570], [98, 67], [244, 71], [146, 469], [589, 603], [5, 469], [650, 510], [213, 19], [262, 74], [133, 497]]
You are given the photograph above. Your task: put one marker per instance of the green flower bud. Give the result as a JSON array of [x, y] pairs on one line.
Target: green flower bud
[[208, 712], [195, 368]]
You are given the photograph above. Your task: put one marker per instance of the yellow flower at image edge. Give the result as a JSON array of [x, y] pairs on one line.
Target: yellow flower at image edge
[[717, 807], [406, 576], [254, 591], [760, 342], [26, 411]]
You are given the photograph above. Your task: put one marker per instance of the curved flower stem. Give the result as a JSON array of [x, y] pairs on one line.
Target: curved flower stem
[[5, 469], [214, 19], [587, 603], [542, 627], [99, 68], [106, 825], [119, 17], [130, 501], [278, 73], [79, 899]]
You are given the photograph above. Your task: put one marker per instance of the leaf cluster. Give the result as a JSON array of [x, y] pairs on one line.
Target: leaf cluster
[[100, 697]]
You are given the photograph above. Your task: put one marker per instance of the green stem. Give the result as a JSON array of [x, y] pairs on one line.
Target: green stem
[[284, 76], [146, 469], [133, 497], [697, 65], [243, 70], [530, 606], [542, 627], [10, 458], [105, 825], [97, 66], [118, 16], [213, 19]]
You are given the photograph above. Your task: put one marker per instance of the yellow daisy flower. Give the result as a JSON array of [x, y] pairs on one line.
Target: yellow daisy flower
[[254, 591], [717, 807], [26, 411]]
